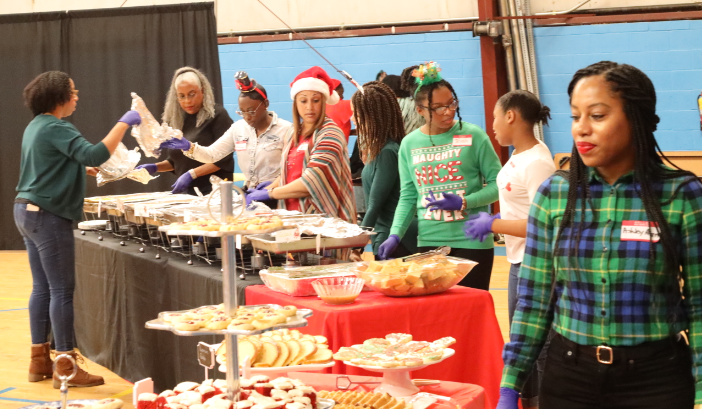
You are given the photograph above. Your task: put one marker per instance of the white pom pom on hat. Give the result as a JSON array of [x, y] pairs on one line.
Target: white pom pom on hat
[[315, 79]]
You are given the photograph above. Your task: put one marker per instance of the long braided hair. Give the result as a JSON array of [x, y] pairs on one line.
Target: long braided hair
[[425, 92], [639, 99], [378, 117]]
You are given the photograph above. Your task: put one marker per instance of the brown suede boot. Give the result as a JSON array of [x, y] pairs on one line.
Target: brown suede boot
[[82, 378], [41, 366]]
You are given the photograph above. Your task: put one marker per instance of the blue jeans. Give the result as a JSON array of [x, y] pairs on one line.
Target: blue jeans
[[51, 251], [512, 290]]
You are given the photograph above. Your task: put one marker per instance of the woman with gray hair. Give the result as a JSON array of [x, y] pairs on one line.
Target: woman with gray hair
[[190, 107]]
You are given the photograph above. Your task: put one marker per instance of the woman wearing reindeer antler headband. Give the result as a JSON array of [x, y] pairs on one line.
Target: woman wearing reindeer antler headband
[[442, 168], [257, 139]]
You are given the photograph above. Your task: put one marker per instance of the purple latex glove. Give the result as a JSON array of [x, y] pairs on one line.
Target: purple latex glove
[[175, 143], [131, 118], [150, 167], [181, 185], [479, 226], [509, 399], [388, 246], [257, 195], [449, 202], [260, 186]]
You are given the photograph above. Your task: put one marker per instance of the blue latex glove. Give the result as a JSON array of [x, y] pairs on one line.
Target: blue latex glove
[[150, 167], [509, 399], [260, 186], [257, 195], [479, 226], [388, 246], [175, 143], [181, 185], [449, 202], [131, 118]]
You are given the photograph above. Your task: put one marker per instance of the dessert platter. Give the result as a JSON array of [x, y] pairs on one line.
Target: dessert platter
[[257, 392], [247, 320], [395, 356], [80, 404], [279, 352]]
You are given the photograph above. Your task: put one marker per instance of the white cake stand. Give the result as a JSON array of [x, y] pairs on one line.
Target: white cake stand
[[396, 381]]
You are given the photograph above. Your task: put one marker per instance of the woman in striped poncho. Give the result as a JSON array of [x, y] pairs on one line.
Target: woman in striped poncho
[[315, 175]]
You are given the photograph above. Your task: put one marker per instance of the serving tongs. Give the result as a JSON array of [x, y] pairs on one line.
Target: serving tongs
[[343, 382], [443, 251]]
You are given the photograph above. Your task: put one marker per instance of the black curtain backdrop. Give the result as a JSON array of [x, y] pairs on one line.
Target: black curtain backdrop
[[108, 53]]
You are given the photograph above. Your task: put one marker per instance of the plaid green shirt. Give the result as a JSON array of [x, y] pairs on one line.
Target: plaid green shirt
[[611, 298]]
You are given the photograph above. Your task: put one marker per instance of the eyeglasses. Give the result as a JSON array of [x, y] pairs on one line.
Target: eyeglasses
[[191, 95], [442, 110], [250, 113], [74, 92]]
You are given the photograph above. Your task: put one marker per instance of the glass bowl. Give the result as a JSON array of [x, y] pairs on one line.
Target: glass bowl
[[430, 275], [338, 290]]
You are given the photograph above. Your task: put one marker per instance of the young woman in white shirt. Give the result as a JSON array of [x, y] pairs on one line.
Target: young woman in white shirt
[[530, 165]]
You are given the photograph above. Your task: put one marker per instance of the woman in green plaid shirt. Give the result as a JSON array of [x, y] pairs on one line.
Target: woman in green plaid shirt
[[609, 246]]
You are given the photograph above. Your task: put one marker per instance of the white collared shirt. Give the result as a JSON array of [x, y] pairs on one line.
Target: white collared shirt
[[258, 157]]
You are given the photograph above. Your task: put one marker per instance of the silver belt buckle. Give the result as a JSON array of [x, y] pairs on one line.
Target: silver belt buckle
[[611, 355]]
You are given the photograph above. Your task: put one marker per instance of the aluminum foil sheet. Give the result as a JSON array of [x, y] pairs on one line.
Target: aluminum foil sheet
[[150, 134], [331, 227], [119, 165]]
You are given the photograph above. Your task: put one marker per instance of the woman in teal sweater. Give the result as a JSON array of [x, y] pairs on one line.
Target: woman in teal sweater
[[448, 171], [50, 196], [380, 130]]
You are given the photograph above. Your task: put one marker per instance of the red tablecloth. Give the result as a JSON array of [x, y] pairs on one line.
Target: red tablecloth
[[463, 313], [468, 396]]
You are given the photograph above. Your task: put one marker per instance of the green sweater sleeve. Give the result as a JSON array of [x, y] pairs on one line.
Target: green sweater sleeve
[[489, 167], [386, 176], [407, 206], [66, 138]]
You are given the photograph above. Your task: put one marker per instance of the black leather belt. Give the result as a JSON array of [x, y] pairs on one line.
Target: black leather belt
[[608, 355]]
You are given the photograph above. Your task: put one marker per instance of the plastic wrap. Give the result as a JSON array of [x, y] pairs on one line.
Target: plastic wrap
[[150, 134], [331, 227], [119, 165], [427, 275], [297, 281]]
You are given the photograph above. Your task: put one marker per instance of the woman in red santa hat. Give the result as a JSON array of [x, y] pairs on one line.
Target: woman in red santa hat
[[315, 175]]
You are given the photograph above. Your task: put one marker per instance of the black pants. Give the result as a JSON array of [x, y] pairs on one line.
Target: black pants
[[479, 277], [651, 375]]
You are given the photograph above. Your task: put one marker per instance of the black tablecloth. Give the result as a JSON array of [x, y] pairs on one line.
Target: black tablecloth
[[118, 289]]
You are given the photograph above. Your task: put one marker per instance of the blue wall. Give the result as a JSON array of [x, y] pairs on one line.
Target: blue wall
[[670, 53], [276, 64]]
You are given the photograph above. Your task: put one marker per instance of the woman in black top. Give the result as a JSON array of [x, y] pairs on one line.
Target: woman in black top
[[190, 107]]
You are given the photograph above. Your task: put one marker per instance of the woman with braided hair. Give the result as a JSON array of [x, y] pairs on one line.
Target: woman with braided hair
[[613, 262], [380, 131], [443, 166]]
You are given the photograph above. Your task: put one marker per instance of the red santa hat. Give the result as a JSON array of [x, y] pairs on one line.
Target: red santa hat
[[315, 79]]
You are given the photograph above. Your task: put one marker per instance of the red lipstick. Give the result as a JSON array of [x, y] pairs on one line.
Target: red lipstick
[[585, 147]]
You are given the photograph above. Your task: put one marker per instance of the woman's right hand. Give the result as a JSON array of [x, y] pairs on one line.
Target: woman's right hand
[[388, 246], [131, 118], [260, 186], [150, 167], [175, 143], [355, 256]]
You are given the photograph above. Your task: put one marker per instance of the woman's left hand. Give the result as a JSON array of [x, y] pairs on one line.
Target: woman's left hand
[[449, 202], [182, 184], [90, 171], [355, 256]]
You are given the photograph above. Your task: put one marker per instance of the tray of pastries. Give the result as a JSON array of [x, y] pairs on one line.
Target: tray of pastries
[[364, 400], [257, 392], [211, 228], [248, 320], [280, 349], [396, 351]]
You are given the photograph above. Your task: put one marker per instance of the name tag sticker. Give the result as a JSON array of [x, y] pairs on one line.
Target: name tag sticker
[[302, 147], [463, 140], [633, 230], [240, 146]]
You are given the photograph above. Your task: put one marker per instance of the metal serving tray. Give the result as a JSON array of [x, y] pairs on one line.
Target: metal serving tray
[[267, 242], [299, 320]]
